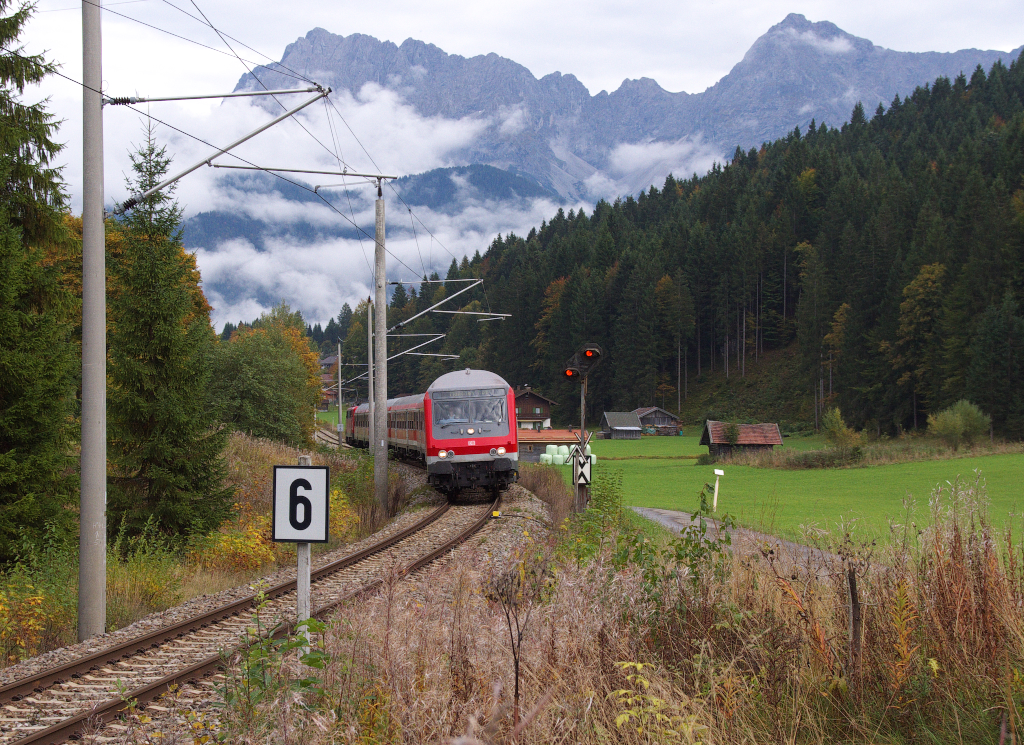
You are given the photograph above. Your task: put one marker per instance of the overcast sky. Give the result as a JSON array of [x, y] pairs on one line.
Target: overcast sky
[[684, 46]]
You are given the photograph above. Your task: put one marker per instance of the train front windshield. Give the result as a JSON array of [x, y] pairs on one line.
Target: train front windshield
[[462, 413]]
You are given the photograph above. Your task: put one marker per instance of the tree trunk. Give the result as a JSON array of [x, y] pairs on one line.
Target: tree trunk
[[679, 345], [744, 369]]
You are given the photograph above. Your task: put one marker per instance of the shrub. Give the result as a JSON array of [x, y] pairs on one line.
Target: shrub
[[242, 547], [837, 434], [706, 459], [343, 517], [732, 433], [961, 423], [548, 485]]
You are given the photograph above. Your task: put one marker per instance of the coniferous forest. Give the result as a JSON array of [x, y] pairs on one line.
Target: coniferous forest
[[888, 253]]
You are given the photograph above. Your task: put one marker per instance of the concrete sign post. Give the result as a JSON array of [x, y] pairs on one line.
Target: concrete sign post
[[302, 516]]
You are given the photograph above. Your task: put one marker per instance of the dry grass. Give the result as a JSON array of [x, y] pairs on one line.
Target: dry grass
[[145, 574], [682, 644], [548, 484], [906, 449]]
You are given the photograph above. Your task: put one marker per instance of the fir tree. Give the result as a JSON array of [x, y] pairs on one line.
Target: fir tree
[[165, 447], [37, 357]]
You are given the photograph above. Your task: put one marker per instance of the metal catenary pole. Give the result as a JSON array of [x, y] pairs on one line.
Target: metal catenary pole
[[341, 404], [380, 348], [92, 571], [370, 421]]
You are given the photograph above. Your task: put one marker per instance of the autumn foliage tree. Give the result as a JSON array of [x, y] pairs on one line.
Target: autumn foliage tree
[[267, 378]]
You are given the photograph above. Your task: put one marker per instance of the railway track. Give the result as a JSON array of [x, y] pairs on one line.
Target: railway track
[[56, 705], [325, 437]]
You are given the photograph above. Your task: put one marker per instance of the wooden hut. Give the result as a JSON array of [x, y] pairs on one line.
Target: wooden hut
[[655, 420], [621, 425], [724, 437]]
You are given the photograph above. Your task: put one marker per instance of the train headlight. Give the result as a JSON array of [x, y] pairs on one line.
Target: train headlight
[[451, 453], [493, 452], [470, 431], [501, 451], [442, 454]]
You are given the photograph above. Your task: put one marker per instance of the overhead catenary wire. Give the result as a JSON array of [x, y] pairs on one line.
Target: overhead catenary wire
[[233, 155], [184, 38], [392, 186], [277, 175], [254, 77], [237, 41], [340, 158]]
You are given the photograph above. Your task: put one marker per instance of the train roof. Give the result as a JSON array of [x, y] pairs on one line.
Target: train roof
[[400, 401], [463, 379]]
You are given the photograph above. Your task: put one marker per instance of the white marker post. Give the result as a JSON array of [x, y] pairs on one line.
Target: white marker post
[[714, 503], [302, 516]]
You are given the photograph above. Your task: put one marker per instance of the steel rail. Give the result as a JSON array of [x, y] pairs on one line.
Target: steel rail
[[110, 710], [18, 689]]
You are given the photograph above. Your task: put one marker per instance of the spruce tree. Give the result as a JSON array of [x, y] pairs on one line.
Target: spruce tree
[[165, 448], [37, 356]]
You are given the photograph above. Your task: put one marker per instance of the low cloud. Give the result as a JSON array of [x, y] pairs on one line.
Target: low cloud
[[635, 166], [512, 120], [835, 45], [242, 281]]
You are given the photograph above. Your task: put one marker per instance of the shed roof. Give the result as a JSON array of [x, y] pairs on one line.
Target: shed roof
[[547, 435], [524, 391], [645, 410], [749, 434], [622, 420]]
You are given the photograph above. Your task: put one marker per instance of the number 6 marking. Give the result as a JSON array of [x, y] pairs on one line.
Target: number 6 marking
[[294, 500]]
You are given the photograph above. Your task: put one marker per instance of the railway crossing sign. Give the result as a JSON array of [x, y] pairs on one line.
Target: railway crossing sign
[[581, 468], [301, 504]]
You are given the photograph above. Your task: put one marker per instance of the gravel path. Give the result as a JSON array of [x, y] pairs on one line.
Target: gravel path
[[750, 542]]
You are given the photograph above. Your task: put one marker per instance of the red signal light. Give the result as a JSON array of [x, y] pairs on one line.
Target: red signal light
[[571, 372], [589, 353]]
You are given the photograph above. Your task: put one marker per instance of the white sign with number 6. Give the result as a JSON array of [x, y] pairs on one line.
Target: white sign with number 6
[[301, 504]]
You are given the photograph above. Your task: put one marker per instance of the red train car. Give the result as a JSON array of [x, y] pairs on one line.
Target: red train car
[[463, 429]]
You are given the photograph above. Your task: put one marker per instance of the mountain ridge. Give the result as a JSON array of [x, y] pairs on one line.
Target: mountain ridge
[[797, 71]]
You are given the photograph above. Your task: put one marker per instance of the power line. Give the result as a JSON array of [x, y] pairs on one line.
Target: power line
[[334, 139], [79, 7], [251, 73], [183, 38], [272, 173], [397, 194], [233, 155], [237, 41]]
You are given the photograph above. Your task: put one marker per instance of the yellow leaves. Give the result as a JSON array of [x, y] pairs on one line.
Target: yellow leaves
[[1017, 202], [23, 619], [653, 716], [242, 547], [901, 668], [343, 517]]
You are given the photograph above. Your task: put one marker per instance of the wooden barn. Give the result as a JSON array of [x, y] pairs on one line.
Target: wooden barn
[[655, 420], [723, 437], [621, 425]]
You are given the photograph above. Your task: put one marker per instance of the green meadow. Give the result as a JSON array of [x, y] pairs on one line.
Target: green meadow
[[785, 502]]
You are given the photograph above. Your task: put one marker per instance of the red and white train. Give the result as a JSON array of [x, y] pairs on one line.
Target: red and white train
[[463, 429]]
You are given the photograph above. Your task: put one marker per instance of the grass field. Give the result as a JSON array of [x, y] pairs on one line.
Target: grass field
[[783, 502], [328, 417]]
